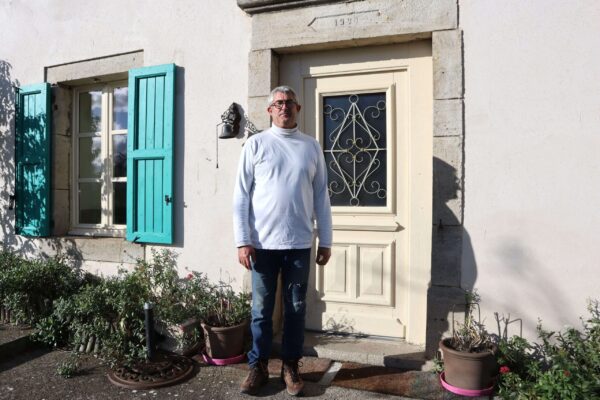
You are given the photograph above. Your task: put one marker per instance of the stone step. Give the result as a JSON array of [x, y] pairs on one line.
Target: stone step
[[387, 352]]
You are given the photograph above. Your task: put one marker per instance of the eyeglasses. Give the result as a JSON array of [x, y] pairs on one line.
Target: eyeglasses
[[280, 103]]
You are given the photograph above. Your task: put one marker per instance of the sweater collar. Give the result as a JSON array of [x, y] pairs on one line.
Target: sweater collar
[[285, 132]]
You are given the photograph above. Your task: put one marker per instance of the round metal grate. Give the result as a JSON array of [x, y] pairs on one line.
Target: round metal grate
[[164, 370]]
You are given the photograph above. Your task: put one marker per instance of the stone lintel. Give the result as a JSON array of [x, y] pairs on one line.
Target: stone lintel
[[351, 21], [95, 70], [447, 65]]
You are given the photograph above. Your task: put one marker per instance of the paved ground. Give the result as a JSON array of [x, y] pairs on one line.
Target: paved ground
[[33, 376]]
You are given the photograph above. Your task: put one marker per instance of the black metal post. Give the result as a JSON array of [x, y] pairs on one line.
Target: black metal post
[[149, 322]]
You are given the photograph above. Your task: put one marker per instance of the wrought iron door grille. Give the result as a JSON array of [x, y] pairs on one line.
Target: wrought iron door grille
[[354, 132]]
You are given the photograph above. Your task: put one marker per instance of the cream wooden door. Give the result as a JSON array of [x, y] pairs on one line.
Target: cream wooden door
[[371, 110]]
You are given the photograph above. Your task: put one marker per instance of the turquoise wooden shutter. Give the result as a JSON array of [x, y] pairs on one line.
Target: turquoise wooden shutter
[[150, 154], [32, 159]]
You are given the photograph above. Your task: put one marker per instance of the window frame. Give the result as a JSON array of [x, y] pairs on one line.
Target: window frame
[[105, 227]]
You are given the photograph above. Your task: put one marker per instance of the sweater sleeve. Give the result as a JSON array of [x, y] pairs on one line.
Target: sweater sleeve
[[241, 196], [321, 201]]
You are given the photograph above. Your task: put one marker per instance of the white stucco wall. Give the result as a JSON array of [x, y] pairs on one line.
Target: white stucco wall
[[532, 140], [532, 125], [210, 40]]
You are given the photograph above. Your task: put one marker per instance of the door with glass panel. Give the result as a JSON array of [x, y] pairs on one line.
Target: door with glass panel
[[100, 159], [371, 111]]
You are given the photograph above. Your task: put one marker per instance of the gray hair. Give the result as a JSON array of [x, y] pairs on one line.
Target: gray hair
[[282, 89]]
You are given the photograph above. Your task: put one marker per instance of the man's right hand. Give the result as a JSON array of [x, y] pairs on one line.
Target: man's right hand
[[246, 256]]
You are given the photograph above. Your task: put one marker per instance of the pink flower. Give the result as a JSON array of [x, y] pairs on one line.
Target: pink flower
[[189, 277], [504, 369]]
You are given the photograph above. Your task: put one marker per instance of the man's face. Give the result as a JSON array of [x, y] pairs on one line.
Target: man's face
[[284, 117]]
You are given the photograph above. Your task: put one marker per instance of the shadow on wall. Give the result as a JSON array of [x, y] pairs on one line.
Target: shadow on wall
[[30, 247], [520, 266], [7, 152], [452, 256]]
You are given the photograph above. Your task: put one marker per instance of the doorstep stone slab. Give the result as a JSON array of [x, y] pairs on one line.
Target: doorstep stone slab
[[374, 351]]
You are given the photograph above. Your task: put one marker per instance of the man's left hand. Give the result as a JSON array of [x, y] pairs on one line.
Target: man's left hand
[[323, 255]]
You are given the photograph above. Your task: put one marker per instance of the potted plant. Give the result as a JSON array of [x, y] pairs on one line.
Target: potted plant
[[225, 324], [469, 356], [178, 302]]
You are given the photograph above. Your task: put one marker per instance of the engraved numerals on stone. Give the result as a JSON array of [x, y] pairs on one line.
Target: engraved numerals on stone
[[346, 21]]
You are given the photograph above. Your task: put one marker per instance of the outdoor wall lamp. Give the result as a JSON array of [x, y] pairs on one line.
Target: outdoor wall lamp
[[230, 126], [230, 122]]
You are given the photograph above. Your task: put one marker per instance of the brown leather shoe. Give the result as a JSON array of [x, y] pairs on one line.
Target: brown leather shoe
[[290, 375], [257, 378]]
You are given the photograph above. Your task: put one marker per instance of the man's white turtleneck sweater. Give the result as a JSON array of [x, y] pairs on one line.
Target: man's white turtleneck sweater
[[281, 188]]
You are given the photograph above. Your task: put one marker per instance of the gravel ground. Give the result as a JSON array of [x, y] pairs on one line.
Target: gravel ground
[[33, 376]]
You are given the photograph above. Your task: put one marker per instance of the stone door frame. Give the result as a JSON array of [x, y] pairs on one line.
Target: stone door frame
[[377, 22]]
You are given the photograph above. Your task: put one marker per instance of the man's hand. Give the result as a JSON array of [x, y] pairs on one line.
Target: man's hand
[[323, 255], [246, 256]]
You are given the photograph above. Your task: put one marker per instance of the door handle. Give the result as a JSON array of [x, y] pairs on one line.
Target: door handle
[[168, 199]]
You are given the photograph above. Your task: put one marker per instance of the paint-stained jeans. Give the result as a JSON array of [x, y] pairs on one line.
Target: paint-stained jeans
[[294, 266]]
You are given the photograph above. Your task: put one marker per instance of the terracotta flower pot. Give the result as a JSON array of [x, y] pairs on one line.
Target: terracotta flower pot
[[473, 371], [222, 343]]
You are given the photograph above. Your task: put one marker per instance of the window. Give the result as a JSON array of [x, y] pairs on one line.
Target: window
[[121, 179], [100, 158], [354, 145]]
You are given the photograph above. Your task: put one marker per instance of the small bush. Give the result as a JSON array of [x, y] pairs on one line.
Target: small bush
[[69, 367], [108, 314], [565, 365], [28, 288]]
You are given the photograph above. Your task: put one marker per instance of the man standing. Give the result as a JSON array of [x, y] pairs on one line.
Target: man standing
[[281, 188]]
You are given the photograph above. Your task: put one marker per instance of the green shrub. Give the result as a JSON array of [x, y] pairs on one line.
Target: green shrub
[[28, 288], [565, 365], [175, 299], [69, 367], [108, 313]]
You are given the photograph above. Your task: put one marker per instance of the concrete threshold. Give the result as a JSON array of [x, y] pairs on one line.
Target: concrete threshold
[[388, 352]]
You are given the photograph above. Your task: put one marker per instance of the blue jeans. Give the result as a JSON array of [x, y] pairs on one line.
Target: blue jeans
[[294, 265]]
